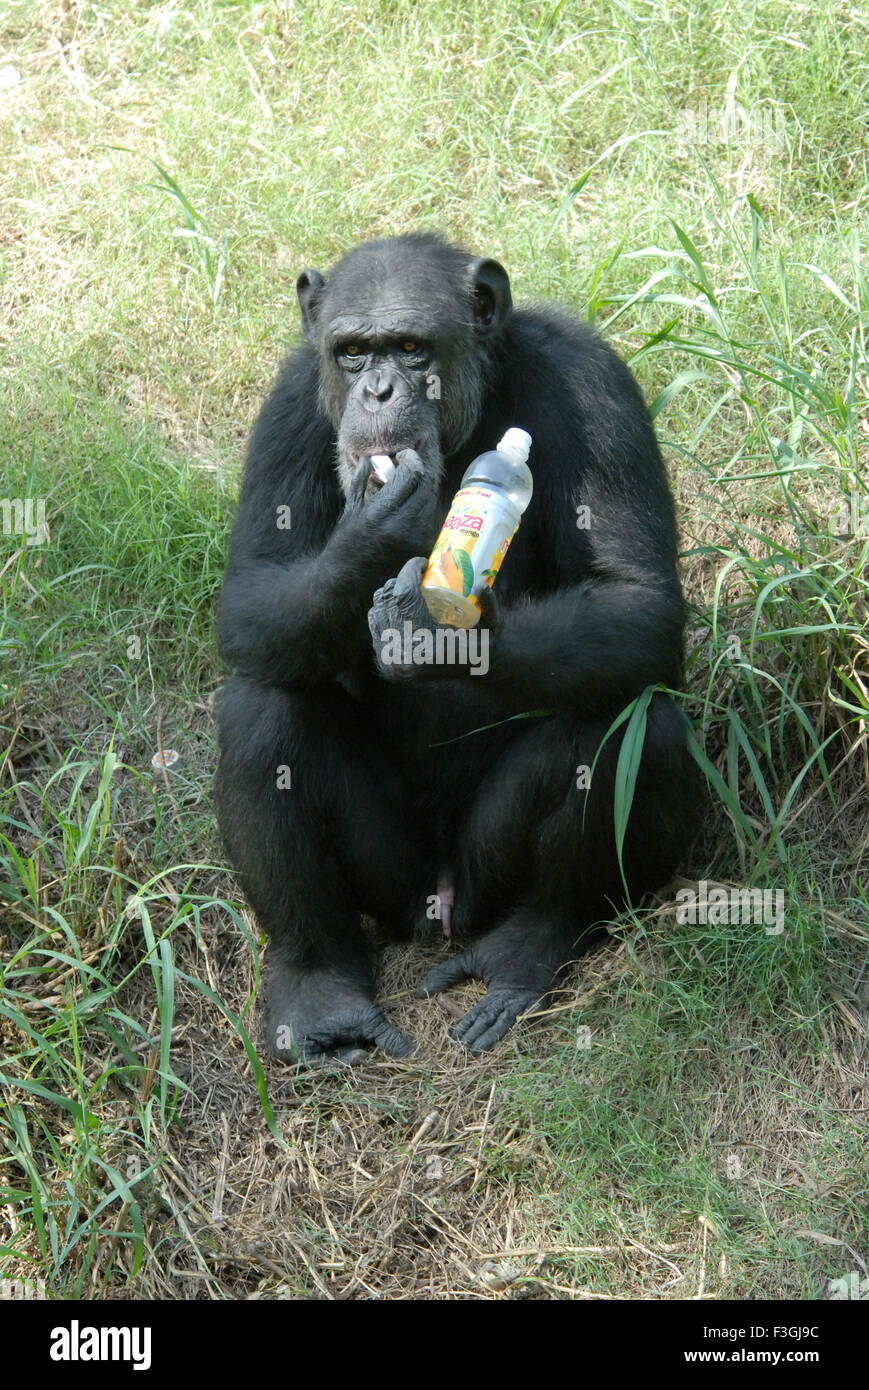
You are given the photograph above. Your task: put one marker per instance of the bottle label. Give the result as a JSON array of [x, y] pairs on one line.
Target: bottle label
[[475, 538]]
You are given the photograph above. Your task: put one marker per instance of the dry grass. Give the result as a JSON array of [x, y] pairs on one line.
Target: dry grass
[[416, 1180]]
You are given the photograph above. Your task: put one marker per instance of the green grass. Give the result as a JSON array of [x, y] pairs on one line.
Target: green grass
[[166, 172]]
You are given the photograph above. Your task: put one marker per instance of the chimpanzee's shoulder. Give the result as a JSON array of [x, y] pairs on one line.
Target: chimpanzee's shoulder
[[292, 429], [559, 368], [560, 338]]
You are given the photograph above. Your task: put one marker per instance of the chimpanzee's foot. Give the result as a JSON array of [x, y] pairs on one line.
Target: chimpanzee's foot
[[321, 1016], [517, 962]]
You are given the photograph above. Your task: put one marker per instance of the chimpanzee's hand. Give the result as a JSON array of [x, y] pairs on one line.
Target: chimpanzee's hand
[[517, 962], [399, 651], [405, 510]]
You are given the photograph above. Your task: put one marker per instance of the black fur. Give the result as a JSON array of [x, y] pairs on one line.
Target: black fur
[[385, 791]]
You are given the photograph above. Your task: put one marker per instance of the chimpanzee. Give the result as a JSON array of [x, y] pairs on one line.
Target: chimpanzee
[[351, 785]]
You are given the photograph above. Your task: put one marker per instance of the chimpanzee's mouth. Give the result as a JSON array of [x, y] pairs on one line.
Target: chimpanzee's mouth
[[390, 451], [384, 461]]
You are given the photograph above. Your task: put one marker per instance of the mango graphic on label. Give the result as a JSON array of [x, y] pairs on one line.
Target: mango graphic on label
[[453, 568]]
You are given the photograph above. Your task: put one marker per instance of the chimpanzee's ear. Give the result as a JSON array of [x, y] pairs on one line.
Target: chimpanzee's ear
[[490, 287], [309, 288]]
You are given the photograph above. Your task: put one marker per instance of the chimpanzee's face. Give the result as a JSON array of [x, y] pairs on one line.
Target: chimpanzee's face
[[402, 353], [382, 367]]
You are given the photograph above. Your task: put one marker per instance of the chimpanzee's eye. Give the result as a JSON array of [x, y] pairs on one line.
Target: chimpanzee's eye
[[352, 350], [409, 346]]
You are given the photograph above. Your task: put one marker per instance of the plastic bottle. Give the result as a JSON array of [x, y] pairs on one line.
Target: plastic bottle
[[479, 527]]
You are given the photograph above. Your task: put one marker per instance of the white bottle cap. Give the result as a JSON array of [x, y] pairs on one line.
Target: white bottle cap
[[382, 467], [516, 444]]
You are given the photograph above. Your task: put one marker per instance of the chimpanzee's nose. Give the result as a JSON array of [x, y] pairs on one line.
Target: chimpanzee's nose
[[379, 388]]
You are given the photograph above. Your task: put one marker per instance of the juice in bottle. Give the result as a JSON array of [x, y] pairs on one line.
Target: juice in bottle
[[479, 527]]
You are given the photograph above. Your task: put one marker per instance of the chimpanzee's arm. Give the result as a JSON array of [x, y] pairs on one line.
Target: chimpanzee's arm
[[301, 570], [590, 647], [613, 618]]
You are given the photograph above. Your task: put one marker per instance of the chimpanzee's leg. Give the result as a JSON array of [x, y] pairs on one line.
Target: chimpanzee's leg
[[317, 822], [536, 854]]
